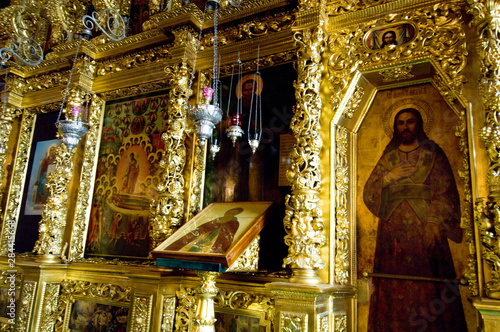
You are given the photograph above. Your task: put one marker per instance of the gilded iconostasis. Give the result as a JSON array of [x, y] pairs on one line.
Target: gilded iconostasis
[[351, 161]]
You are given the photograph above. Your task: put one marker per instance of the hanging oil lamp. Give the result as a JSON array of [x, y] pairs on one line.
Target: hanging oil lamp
[[255, 116], [234, 131], [208, 113]]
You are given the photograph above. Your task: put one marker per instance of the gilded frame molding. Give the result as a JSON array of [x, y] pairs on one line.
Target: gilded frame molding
[[356, 74]]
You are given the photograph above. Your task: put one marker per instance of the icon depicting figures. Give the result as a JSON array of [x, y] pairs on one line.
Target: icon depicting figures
[[214, 236], [413, 192]]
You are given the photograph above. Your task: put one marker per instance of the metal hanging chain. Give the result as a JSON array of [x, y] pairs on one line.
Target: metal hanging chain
[[239, 101], [4, 99], [231, 88], [196, 54], [259, 97], [216, 72], [69, 79], [87, 85]]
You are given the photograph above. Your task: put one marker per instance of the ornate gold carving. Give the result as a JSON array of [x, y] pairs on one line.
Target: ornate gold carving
[[24, 310], [17, 183], [167, 212], [303, 222], [338, 7], [342, 266], [487, 21], [97, 291], [323, 323], [186, 298], [197, 181], [121, 6], [293, 322], [340, 323], [55, 210], [136, 90], [249, 259], [437, 27], [396, 73], [49, 307], [141, 313], [65, 19], [189, 9], [18, 22], [264, 62], [135, 60], [168, 313], [262, 25], [353, 103], [204, 318], [77, 246], [6, 118], [54, 214]]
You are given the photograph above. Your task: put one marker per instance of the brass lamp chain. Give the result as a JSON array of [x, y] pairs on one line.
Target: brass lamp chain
[[69, 79], [215, 70], [4, 99], [196, 53]]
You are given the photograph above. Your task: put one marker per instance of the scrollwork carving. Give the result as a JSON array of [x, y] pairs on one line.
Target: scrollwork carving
[[49, 307], [141, 313], [16, 187], [65, 18], [293, 322], [168, 211], [26, 301], [76, 249], [168, 314], [438, 28], [303, 217], [341, 272], [487, 21]]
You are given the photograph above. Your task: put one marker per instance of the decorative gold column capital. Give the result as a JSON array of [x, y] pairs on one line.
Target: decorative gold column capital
[[205, 315]]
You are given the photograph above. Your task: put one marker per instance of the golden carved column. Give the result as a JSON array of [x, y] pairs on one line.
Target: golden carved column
[[204, 319], [486, 18], [6, 117], [49, 244], [167, 212], [303, 222]]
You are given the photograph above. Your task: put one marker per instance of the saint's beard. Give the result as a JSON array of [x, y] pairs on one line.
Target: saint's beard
[[407, 137]]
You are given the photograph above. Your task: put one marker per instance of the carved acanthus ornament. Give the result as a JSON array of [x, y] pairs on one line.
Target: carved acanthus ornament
[[293, 322], [303, 216], [168, 314], [121, 6], [437, 28], [55, 211], [65, 19], [397, 73], [340, 323], [26, 303], [168, 211], [486, 18], [6, 117], [48, 318], [342, 266], [17, 182], [76, 249], [141, 312]]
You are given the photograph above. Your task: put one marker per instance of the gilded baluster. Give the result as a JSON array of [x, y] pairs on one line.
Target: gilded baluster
[[167, 212], [487, 20], [303, 217], [204, 319], [53, 223]]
